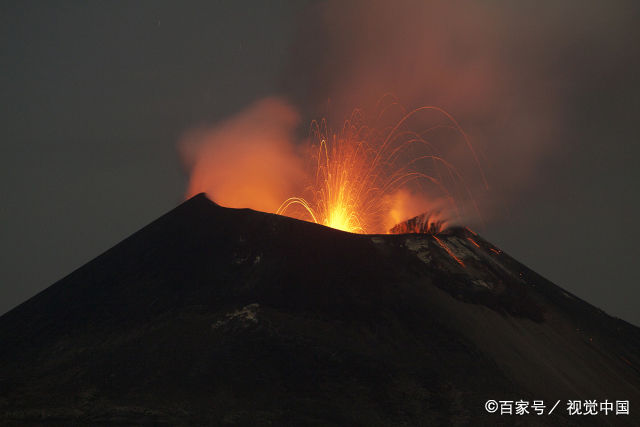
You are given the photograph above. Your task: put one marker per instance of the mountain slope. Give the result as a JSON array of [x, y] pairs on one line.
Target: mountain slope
[[212, 315]]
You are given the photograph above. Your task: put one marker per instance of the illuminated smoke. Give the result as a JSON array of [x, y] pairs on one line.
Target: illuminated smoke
[[365, 178], [510, 72], [490, 64], [248, 161], [371, 176]]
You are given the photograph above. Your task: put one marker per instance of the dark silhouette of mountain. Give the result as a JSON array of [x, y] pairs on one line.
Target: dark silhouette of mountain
[[212, 316]]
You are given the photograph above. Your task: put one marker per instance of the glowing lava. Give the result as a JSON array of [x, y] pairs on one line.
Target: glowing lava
[[368, 180]]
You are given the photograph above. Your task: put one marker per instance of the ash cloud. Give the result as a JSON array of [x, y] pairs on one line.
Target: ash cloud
[[247, 161], [510, 72]]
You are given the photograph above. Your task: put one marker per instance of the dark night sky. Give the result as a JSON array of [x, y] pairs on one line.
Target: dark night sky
[[96, 95]]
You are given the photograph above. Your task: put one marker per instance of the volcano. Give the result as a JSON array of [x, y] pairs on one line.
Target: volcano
[[212, 315]]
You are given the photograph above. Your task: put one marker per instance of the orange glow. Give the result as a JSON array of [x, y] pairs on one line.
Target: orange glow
[[473, 241], [247, 161], [368, 180], [368, 177], [497, 252], [427, 223], [446, 248], [625, 360]]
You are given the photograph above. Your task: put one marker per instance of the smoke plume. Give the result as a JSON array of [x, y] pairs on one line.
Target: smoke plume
[[508, 72], [248, 161], [511, 73]]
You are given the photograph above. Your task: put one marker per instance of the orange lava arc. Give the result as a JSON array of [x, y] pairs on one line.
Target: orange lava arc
[[368, 178]]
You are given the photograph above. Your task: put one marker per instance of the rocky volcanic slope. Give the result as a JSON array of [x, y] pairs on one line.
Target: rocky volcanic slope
[[212, 315]]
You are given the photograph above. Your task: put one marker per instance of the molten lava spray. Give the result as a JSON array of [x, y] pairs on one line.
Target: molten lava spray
[[369, 179], [366, 178]]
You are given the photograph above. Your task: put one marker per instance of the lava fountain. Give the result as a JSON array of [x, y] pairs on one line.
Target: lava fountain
[[370, 178]]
